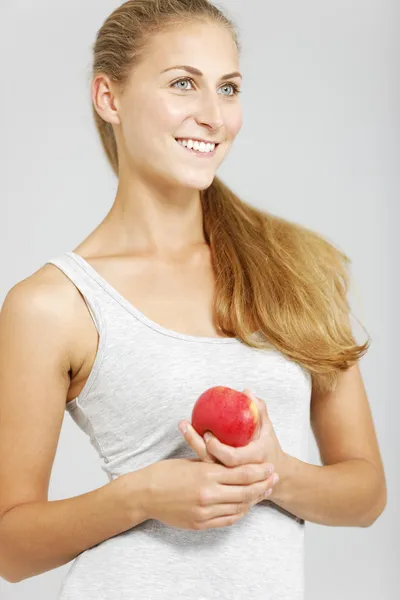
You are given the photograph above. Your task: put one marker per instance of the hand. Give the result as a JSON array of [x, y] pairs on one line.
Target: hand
[[264, 447], [191, 494]]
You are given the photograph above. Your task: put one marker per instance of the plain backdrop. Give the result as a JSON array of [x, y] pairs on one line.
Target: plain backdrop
[[319, 145]]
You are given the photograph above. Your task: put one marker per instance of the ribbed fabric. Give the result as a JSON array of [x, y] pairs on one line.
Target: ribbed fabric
[[144, 380]]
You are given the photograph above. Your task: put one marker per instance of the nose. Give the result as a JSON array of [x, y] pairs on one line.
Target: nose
[[210, 112]]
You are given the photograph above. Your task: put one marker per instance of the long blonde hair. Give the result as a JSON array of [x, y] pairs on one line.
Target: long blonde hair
[[274, 277]]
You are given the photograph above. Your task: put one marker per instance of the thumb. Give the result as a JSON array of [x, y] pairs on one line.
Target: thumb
[[261, 405]]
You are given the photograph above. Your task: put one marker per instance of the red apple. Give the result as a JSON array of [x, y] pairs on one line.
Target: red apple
[[230, 415]]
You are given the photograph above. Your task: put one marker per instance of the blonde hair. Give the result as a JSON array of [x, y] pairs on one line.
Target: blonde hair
[[273, 277]]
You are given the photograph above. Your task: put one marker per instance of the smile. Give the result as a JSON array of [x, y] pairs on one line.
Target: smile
[[201, 150]]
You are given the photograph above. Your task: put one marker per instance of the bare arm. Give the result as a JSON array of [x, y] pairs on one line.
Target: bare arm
[[345, 494], [350, 488], [37, 535]]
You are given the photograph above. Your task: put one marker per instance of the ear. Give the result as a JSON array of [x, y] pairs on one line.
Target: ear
[[105, 100]]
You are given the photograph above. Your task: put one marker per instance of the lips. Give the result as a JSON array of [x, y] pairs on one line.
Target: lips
[[197, 153], [199, 141]]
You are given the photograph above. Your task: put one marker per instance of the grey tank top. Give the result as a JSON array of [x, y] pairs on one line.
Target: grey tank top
[[145, 379]]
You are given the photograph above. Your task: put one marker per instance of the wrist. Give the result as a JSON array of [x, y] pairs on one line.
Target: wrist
[[133, 493], [286, 467]]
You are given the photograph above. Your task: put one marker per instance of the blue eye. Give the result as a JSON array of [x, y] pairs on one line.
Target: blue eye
[[234, 87], [180, 81]]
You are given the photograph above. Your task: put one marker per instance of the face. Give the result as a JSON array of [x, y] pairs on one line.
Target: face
[[161, 105]]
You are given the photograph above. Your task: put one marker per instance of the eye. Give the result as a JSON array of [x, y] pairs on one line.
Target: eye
[[185, 80], [232, 85]]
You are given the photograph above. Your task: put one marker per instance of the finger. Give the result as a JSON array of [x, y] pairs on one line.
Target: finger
[[196, 442], [244, 475], [244, 494], [219, 522], [231, 456]]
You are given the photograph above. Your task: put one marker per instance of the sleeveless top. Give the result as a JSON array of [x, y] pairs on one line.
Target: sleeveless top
[[145, 379]]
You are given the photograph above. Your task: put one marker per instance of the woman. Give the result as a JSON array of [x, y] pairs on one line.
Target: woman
[[182, 287]]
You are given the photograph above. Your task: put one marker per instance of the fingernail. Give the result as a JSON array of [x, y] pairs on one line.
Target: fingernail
[[183, 428], [207, 436], [268, 492]]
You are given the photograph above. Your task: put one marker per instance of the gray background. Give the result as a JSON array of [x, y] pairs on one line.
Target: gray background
[[319, 145]]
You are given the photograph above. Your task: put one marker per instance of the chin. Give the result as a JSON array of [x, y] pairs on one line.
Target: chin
[[197, 182]]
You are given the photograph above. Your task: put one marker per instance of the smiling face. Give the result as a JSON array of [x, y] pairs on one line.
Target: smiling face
[[161, 105]]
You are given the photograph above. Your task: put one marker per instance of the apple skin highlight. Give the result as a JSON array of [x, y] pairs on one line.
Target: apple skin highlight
[[228, 414]]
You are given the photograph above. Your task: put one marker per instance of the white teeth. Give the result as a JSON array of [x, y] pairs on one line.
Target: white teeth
[[198, 146]]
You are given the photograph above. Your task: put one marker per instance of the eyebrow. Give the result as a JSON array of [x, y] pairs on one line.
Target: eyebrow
[[195, 71]]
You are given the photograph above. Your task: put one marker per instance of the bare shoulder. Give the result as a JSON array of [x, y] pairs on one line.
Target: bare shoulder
[[35, 365], [48, 280], [44, 285], [48, 296]]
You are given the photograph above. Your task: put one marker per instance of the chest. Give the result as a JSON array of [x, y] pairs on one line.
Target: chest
[[151, 382], [177, 297]]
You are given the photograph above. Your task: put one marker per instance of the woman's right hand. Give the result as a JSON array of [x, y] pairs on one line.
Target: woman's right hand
[[192, 494]]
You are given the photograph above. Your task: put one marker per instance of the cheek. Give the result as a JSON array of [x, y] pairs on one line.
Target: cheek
[[234, 123], [171, 113], [144, 127]]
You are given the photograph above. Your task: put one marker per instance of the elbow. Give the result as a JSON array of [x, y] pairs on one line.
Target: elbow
[[10, 579], [376, 511], [7, 567], [6, 572]]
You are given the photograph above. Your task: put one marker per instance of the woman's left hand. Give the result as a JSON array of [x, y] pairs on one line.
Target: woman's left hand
[[263, 447]]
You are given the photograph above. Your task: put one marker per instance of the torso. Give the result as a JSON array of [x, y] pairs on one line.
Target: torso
[[178, 297]]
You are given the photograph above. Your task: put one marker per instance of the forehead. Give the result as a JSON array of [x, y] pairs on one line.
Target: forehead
[[208, 46]]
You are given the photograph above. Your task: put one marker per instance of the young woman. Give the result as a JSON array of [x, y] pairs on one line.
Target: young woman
[[183, 286]]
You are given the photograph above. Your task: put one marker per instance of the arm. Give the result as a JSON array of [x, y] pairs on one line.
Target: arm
[[350, 488], [348, 493], [39, 536], [36, 331]]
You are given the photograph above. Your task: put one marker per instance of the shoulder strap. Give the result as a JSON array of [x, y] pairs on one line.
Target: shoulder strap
[[84, 283]]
